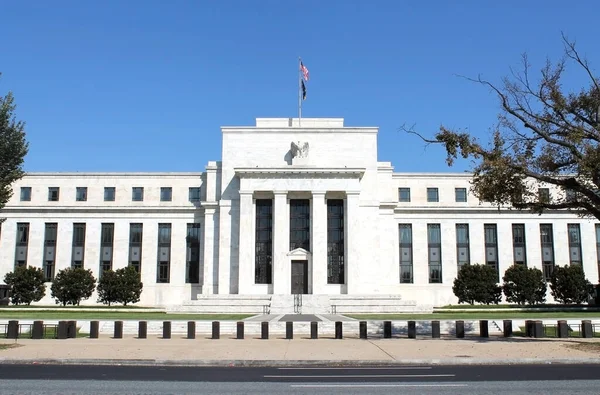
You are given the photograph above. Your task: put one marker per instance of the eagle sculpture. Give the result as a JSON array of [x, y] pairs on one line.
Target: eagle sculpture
[[299, 150]]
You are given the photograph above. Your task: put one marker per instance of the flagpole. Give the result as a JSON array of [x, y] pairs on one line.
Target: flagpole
[[299, 93]]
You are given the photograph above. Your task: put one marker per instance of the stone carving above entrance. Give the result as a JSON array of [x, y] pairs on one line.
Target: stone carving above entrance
[[299, 151]]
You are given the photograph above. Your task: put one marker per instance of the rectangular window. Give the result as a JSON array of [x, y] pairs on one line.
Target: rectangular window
[[263, 249], [433, 195], [53, 194], [460, 195], [81, 194], [194, 194], [491, 247], [137, 194], [299, 224], [22, 244], [135, 246], [574, 244], [406, 254], [109, 194], [547, 242], [462, 245], [106, 247], [166, 194], [49, 261], [404, 194], [598, 245], [544, 195], [25, 194], [192, 272], [570, 195], [78, 253], [519, 244], [164, 253], [336, 273], [434, 243]]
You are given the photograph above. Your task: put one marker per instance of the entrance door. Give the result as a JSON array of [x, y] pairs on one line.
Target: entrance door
[[299, 277]]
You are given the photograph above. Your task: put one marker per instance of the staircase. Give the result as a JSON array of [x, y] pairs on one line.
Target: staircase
[[219, 304]]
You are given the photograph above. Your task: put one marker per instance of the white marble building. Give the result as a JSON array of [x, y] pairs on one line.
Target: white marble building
[[290, 209]]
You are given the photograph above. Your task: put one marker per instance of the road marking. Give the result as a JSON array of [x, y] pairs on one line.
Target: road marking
[[338, 376], [373, 385], [356, 368]]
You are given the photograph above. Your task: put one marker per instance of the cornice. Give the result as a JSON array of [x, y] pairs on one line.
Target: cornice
[[294, 171]]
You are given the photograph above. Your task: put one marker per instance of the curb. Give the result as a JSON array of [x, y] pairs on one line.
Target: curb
[[298, 363]]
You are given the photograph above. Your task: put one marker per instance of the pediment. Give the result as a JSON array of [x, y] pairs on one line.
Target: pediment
[[299, 253]]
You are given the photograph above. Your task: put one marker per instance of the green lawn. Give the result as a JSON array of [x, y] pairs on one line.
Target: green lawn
[[115, 315], [514, 306], [475, 315], [57, 306]]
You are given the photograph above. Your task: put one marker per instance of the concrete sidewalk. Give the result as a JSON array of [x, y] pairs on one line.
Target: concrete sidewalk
[[277, 351]]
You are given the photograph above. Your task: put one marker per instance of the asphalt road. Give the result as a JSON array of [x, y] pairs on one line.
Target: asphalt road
[[514, 379]]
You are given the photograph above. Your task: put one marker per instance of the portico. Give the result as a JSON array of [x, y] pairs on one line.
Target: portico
[[295, 226]]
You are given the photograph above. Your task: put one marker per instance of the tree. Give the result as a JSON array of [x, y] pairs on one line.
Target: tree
[[27, 284], [477, 283], [130, 285], [108, 288], [70, 286], [13, 148], [523, 285], [569, 285], [545, 135]]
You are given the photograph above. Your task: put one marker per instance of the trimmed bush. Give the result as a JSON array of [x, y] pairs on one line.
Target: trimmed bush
[[27, 284], [108, 288], [477, 284], [569, 285], [70, 286], [524, 286], [121, 286]]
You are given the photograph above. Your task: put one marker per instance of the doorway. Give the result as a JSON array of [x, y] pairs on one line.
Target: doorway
[[299, 277]]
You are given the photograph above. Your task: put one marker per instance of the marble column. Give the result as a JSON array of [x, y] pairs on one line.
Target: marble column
[[352, 245], [209, 251], [281, 244], [319, 243], [246, 250]]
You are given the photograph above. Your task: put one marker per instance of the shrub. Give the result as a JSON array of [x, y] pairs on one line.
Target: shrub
[[70, 286], [523, 285], [130, 285], [477, 283], [121, 286], [569, 285], [26, 285]]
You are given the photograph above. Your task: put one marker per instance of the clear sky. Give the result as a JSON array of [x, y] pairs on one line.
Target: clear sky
[[141, 85]]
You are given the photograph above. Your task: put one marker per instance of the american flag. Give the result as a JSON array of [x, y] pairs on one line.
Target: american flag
[[304, 71]]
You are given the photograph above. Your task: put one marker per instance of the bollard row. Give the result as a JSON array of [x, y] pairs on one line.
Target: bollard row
[[68, 329]]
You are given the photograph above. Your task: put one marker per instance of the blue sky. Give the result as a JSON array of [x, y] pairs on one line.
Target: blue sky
[[145, 85]]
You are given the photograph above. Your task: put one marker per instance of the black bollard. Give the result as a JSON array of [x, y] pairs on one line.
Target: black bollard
[[71, 329], [484, 329], [362, 329], [507, 328], [166, 330], [216, 330], [338, 330], [142, 329], [37, 331], [264, 330], [435, 329], [314, 330], [586, 329], [94, 329], [562, 329], [387, 329], [240, 330], [62, 330], [289, 330], [118, 331], [412, 330], [460, 329], [529, 327], [191, 330], [12, 330], [538, 329]]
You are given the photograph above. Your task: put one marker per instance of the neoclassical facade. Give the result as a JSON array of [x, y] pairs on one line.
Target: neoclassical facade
[[291, 209]]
